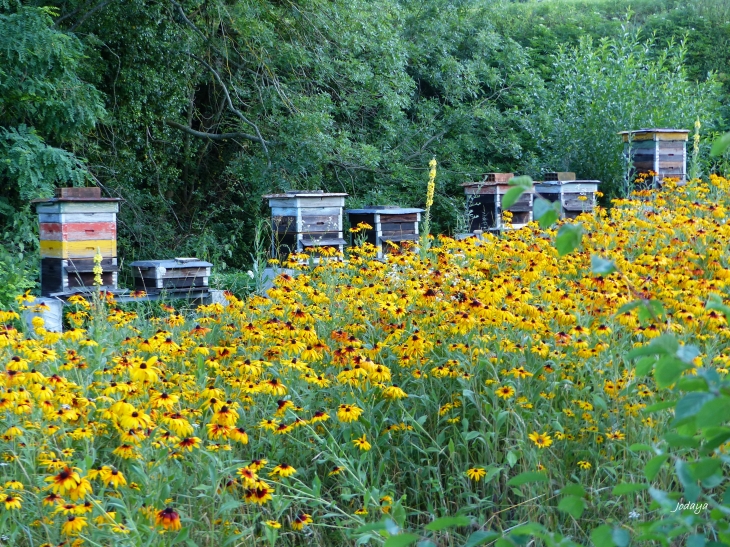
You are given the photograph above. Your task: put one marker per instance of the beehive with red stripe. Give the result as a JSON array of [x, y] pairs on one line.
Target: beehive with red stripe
[[75, 225]]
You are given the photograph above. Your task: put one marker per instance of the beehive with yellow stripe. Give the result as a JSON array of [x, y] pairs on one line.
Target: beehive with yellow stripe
[[74, 226]]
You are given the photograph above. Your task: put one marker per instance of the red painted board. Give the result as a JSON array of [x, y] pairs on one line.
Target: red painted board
[[77, 231]]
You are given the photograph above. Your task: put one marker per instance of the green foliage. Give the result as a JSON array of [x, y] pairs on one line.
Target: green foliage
[[619, 84]]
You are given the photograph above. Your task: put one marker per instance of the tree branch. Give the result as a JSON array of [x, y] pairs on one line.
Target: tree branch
[[214, 136], [233, 108], [89, 13]]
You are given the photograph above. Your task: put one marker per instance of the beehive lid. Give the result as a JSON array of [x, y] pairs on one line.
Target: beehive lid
[[76, 194], [172, 263], [561, 182], [384, 210], [304, 194], [656, 134], [492, 178]]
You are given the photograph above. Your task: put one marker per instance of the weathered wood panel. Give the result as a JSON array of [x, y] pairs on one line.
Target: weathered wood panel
[[77, 231]]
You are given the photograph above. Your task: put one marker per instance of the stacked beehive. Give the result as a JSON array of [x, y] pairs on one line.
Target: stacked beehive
[[179, 275], [390, 224], [74, 226], [575, 196], [663, 151], [485, 204], [305, 220]]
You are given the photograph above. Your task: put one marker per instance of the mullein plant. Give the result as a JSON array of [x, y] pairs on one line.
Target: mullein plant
[[426, 225], [694, 169]]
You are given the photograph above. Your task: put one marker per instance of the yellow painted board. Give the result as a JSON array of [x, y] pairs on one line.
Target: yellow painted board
[[656, 137], [78, 249]]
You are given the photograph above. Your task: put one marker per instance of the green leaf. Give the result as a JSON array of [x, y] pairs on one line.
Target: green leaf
[[511, 196], [480, 538], [675, 440], [720, 145], [527, 477], [714, 302], [652, 467], [572, 505], [447, 522], [401, 540], [691, 404], [667, 371], [639, 447], [628, 488], [371, 527], [546, 212], [644, 365], [602, 266], [573, 490], [620, 537], [628, 307], [656, 407], [691, 489], [704, 468], [602, 536], [568, 238], [522, 181], [696, 540]]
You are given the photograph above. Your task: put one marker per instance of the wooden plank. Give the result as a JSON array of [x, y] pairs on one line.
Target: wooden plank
[[320, 223], [79, 192], [86, 279], [170, 273], [87, 264], [411, 217], [77, 217], [56, 231], [405, 227], [78, 207], [142, 284], [78, 249], [318, 236], [333, 242], [399, 237]]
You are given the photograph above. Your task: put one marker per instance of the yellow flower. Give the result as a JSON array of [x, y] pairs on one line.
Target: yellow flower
[[584, 464], [505, 392], [542, 440], [362, 443], [348, 413], [476, 473], [272, 524]]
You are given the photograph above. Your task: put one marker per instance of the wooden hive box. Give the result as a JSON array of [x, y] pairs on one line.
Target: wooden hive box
[[663, 151], [575, 196], [389, 224], [74, 225], [304, 220], [485, 204], [178, 275]]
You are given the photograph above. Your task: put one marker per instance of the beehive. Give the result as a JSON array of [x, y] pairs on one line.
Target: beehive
[[575, 196], [74, 226], [663, 151], [302, 220], [485, 204], [179, 275], [389, 224]]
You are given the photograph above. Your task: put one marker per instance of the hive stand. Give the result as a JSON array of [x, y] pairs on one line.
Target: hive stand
[[485, 204], [302, 220], [74, 225], [389, 224], [663, 151], [575, 196]]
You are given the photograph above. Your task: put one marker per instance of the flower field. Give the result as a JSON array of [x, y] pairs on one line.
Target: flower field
[[416, 388]]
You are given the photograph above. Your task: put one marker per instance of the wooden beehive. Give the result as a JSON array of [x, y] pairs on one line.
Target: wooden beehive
[[179, 275], [389, 224], [74, 226], [485, 204], [663, 151], [304, 220], [575, 196]]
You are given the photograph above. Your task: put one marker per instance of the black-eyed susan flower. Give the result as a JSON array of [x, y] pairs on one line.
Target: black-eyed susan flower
[[168, 518], [541, 440], [362, 443], [476, 473], [348, 413], [282, 470], [74, 525]]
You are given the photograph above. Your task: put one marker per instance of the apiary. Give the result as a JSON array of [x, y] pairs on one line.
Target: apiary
[[304, 220], [575, 196], [75, 225], [389, 224], [485, 204], [178, 275], [662, 151]]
